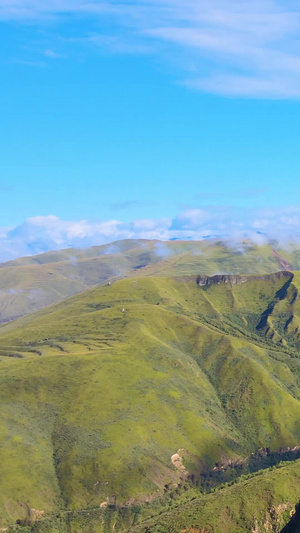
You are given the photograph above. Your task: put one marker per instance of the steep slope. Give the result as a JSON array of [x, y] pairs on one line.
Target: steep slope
[[100, 391], [31, 283], [218, 257], [260, 503], [263, 503]]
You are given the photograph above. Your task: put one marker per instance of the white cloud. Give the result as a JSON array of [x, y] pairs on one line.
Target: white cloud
[[151, 224], [237, 47], [43, 233], [191, 219], [249, 86], [51, 54]]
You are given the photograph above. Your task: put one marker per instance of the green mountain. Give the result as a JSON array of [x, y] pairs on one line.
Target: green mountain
[[262, 503], [146, 390], [31, 283]]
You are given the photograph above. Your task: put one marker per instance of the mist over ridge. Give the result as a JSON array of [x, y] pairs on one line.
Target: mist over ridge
[[279, 227]]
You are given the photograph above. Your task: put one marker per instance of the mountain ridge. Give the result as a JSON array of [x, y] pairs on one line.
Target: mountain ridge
[[32, 283], [173, 365]]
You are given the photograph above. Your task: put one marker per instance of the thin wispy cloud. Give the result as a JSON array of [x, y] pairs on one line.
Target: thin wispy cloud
[[233, 48], [51, 54], [43, 233]]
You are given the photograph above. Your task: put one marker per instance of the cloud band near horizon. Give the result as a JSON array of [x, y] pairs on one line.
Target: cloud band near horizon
[[44, 233]]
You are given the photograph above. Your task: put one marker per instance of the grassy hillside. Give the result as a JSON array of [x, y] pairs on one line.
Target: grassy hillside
[[263, 502], [100, 391], [31, 283]]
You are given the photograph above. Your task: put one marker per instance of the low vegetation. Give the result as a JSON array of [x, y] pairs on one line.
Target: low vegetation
[[100, 391], [31, 283]]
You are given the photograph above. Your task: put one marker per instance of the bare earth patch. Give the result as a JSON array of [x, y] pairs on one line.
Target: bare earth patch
[[177, 461]]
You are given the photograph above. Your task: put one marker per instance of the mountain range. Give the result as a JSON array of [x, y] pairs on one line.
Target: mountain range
[[166, 401], [31, 283]]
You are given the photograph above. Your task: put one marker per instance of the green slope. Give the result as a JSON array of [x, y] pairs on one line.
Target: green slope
[[31, 283], [260, 503], [263, 503], [100, 391]]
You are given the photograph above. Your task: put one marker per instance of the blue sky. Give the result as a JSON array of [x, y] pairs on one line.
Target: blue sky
[[151, 118]]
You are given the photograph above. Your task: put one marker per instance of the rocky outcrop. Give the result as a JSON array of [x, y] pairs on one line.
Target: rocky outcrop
[[177, 461], [202, 281], [275, 519], [236, 279]]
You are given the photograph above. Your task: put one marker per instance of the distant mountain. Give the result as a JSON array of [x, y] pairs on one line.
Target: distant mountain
[[31, 283], [153, 389]]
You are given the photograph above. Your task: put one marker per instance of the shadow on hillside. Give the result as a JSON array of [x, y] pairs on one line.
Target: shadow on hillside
[[294, 524]]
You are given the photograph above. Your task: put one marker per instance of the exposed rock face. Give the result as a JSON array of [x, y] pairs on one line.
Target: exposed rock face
[[236, 279], [220, 278], [36, 514], [103, 505], [177, 461], [274, 520]]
